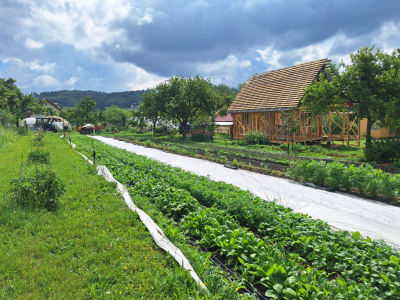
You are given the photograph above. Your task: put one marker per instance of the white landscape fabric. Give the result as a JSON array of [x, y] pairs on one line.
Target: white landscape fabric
[[343, 212]]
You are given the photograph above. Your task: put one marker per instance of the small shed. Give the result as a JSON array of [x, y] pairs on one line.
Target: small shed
[[224, 124]]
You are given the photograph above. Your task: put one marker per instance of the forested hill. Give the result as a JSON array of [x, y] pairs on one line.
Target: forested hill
[[70, 98]]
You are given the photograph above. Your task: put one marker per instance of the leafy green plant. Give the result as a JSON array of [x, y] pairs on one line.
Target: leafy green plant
[[148, 143], [40, 190], [39, 156], [364, 179], [383, 150], [255, 137], [21, 131]]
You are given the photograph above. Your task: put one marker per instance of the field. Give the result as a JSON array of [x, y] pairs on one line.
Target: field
[[93, 247], [281, 253]]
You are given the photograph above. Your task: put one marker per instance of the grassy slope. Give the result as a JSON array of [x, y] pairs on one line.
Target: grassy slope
[[91, 248]]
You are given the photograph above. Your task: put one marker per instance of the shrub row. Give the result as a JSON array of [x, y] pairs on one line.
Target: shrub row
[[362, 179]]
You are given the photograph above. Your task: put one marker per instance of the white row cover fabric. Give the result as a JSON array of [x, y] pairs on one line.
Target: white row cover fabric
[[156, 232], [341, 211]]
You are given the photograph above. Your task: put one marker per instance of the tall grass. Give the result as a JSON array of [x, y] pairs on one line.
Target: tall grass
[[7, 135]]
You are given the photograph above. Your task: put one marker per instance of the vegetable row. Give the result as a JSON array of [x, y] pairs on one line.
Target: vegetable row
[[372, 267], [364, 179]]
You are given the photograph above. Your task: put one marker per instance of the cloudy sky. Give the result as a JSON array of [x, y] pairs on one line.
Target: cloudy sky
[[119, 45]]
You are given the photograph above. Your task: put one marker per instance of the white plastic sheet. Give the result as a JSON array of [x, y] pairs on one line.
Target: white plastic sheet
[[342, 212], [161, 240]]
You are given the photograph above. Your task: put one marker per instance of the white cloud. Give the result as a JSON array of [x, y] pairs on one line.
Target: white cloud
[[33, 44], [137, 78], [147, 18], [46, 68], [226, 68], [71, 80], [34, 65], [388, 38], [45, 80], [269, 56], [83, 24]]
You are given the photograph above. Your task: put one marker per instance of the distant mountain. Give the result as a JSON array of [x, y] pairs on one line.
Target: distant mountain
[[70, 98]]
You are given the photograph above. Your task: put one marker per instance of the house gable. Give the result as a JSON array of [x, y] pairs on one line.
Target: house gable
[[277, 90]]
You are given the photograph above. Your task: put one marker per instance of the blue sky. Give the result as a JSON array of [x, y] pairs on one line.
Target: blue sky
[[107, 45]]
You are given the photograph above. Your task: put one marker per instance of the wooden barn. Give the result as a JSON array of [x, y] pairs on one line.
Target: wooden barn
[[270, 102]]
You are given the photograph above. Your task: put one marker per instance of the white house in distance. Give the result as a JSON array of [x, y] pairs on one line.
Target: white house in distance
[[56, 108]]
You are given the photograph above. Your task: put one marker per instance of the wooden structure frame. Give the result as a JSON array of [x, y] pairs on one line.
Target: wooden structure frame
[[345, 125], [275, 126], [266, 100]]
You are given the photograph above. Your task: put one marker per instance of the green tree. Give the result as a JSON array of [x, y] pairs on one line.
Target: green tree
[[14, 104], [182, 99], [70, 114], [371, 81], [116, 115], [85, 112], [151, 107]]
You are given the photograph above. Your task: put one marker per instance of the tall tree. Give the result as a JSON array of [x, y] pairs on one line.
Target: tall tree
[[371, 81], [182, 99], [14, 103], [116, 115], [85, 111], [151, 107]]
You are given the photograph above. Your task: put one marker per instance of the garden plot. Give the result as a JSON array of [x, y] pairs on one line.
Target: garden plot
[[343, 212]]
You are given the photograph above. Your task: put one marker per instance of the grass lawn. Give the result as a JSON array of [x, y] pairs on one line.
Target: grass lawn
[[92, 247]]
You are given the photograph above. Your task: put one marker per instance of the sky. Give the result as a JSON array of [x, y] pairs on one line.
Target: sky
[[111, 46]]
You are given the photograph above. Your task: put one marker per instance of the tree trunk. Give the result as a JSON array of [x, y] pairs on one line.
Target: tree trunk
[[184, 128], [154, 127], [368, 133], [17, 122]]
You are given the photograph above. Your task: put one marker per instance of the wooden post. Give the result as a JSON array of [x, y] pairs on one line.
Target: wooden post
[[343, 129], [348, 129]]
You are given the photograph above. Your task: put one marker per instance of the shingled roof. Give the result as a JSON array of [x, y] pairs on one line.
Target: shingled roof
[[277, 90]]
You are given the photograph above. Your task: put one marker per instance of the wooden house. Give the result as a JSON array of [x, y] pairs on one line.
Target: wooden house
[[270, 102]]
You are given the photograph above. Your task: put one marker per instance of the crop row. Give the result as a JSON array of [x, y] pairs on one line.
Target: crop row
[[365, 179], [365, 262]]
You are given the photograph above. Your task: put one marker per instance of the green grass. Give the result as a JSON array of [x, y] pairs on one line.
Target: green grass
[[93, 247]]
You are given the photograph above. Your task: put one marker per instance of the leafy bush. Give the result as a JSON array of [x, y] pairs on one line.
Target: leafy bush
[[40, 190], [39, 139], [39, 156], [383, 150], [148, 143], [201, 136], [396, 163], [21, 131], [160, 130], [255, 138], [365, 179]]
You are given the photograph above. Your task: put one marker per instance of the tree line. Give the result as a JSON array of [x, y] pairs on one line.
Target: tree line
[[68, 98], [178, 100]]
